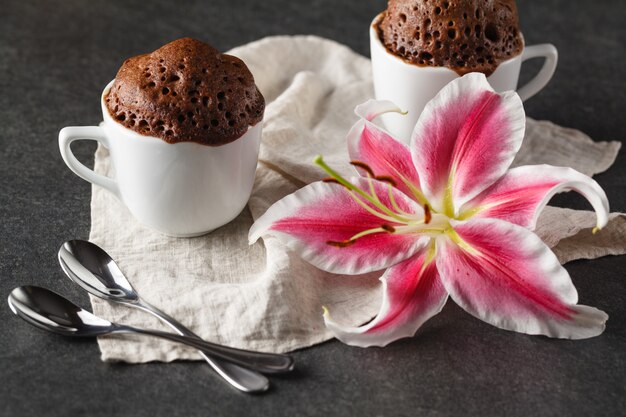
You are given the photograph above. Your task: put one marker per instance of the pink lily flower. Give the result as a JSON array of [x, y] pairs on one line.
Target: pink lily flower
[[445, 217]]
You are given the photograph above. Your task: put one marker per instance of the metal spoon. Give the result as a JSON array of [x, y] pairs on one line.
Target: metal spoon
[[89, 266], [50, 311]]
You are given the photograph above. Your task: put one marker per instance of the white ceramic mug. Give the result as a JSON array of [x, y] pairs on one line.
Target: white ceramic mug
[[183, 189], [410, 86]]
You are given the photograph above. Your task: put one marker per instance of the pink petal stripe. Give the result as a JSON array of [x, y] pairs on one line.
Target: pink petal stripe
[[412, 293], [520, 196], [320, 212], [466, 137], [386, 156], [506, 276]]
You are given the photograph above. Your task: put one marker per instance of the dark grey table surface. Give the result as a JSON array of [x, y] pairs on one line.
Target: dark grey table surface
[[55, 57]]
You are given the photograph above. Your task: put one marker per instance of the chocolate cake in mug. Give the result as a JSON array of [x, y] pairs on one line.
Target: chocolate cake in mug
[[465, 36], [186, 91], [182, 126]]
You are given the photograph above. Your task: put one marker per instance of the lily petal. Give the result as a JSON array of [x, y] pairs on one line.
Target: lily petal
[[386, 156], [371, 109], [319, 213], [523, 192], [506, 276], [465, 140], [412, 293]]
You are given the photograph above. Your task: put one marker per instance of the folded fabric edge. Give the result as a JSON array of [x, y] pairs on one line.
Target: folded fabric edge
[[612, 147], [585, 245], [115, 353], [284, 38]]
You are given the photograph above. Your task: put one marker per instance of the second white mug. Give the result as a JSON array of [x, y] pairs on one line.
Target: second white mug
[[411, 86]]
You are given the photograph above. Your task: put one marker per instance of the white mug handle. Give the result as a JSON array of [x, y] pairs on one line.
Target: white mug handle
[[67, 135], [547, 51]]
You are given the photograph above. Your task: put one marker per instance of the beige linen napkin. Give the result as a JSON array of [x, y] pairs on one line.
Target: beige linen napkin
[[263, 297]]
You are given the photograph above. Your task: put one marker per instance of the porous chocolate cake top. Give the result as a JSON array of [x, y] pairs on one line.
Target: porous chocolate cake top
[[463, 35], [186, 91]]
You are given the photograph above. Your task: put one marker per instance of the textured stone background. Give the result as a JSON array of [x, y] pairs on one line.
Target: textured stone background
[[55, 58]]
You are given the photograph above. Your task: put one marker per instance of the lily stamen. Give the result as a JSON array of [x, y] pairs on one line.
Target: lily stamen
[[345, 243], [370, 184], [341, 244], [419, 229], [364, 167], [381, 229], [394, 204], [371, 199], [419, 196], [331, 180], [427, 214], [371, 210], [387, 179]]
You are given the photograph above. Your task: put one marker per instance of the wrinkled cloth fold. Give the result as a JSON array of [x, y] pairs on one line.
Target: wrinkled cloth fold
[[263, 297]]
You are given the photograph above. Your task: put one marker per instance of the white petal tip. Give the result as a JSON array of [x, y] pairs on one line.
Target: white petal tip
[[253, 236], [371, 109], [345, 334], [596, 230], [590, 321]]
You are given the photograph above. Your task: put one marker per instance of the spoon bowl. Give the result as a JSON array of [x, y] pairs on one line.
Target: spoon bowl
[[94, 270], [50, 311]]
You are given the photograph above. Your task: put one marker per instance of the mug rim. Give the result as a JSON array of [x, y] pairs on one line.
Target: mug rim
[[109, 121], [375, 40]]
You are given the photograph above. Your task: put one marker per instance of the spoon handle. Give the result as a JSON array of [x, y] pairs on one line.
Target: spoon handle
[[241, 378], [270, 363]]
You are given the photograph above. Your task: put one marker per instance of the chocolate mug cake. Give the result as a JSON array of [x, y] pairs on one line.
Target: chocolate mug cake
[[182, 130], [419, 46], [465, 36], [186, 91]]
